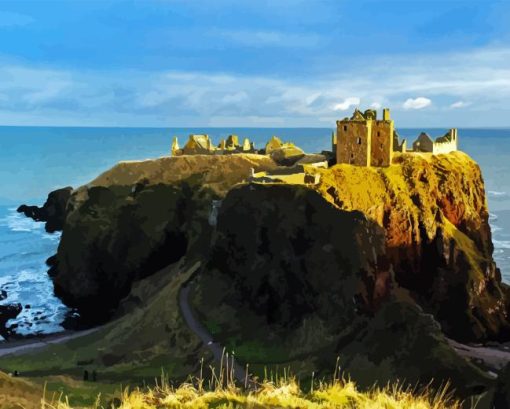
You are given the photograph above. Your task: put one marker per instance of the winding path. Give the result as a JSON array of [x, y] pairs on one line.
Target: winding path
[[493, 357], [216, 349], [27, 345]]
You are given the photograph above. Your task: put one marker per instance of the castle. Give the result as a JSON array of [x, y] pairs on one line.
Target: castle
[[364, 140], [201, 144], [361, 140]]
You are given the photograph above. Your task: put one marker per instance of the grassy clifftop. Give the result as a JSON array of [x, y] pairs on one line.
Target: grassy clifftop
[[218, 172]]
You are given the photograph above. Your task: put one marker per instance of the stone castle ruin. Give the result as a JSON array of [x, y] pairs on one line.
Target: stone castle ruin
[[201, 144], [444, 144], [363, 140]]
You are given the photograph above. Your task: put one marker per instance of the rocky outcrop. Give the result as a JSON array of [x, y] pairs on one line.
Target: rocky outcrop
[[136, 219], [434, 213], [53, 212], [287, 253], [291, 271], [114, 236], [8, 312]]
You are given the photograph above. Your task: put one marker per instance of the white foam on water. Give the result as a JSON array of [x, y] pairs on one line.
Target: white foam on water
[[45, 312], [23, 274], [492, 217], [501, 244], [19, 223], [495, 193]]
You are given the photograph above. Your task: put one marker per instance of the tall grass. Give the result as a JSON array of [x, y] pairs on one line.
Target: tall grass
[[222, 390]]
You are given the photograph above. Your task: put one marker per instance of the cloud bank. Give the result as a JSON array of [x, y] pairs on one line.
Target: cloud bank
[[46, 95]]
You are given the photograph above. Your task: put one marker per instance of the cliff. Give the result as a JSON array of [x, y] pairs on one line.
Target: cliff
[[434, 213], [135, 219], [52, 212], [373, 265], [293, 280]]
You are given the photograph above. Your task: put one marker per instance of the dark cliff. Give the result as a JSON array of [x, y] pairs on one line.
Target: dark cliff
[[135, 219], [53, 212]]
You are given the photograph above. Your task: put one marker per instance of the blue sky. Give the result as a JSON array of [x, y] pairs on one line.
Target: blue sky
[[253, 63]]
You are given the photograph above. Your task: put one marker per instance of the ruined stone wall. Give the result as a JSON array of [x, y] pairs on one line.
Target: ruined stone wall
[[423, 144], [353, 142], [444, 147], [382, 143]]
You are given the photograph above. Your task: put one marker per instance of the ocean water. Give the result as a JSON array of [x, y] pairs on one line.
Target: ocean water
[[36, 160]]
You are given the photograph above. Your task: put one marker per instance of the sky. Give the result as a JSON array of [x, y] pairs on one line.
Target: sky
[[263, 63]]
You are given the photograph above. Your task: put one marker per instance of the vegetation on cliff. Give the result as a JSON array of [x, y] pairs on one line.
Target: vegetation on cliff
[[284, 392]]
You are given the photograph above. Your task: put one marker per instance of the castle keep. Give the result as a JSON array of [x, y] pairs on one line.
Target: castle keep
[[364, 140]]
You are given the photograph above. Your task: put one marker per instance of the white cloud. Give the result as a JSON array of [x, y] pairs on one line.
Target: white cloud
[[346, 104], [35, 95], [459, 104], [416, 103]]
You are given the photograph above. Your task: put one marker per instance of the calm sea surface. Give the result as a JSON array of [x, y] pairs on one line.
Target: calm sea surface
[[36, 160]]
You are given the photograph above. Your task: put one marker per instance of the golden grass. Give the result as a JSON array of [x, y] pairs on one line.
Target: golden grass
[[222, 392], [280, 394]]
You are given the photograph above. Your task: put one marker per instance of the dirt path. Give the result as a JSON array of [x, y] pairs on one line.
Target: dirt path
[[494, 358], [27, 345], [216, 348]]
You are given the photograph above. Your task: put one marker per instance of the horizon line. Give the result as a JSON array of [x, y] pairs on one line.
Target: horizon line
[[505, 127]]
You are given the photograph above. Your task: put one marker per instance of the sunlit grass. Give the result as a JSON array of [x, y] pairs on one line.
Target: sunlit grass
[[221, 390]]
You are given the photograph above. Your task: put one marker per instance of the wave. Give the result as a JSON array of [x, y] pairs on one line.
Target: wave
[[495, 193], [495, 228], [493, 217], [33, 287], [501, 244], [19, 223]]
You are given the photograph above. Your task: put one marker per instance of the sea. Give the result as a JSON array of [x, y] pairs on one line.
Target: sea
[[37, 160]]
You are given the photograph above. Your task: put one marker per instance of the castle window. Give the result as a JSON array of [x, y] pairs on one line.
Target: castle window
[[381, 145], [352, 155], [345, 128], [358, 140], [378, 133]]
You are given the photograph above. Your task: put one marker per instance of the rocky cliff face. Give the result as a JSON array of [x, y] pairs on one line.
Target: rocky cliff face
[[135, 219], [293, 279], [363, 265], [288, 253], [53, 211], [431, 211], [434, 212]]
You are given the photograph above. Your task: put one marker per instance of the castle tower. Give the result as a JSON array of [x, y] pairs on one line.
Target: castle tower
[[382, 140], [365, 141]]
